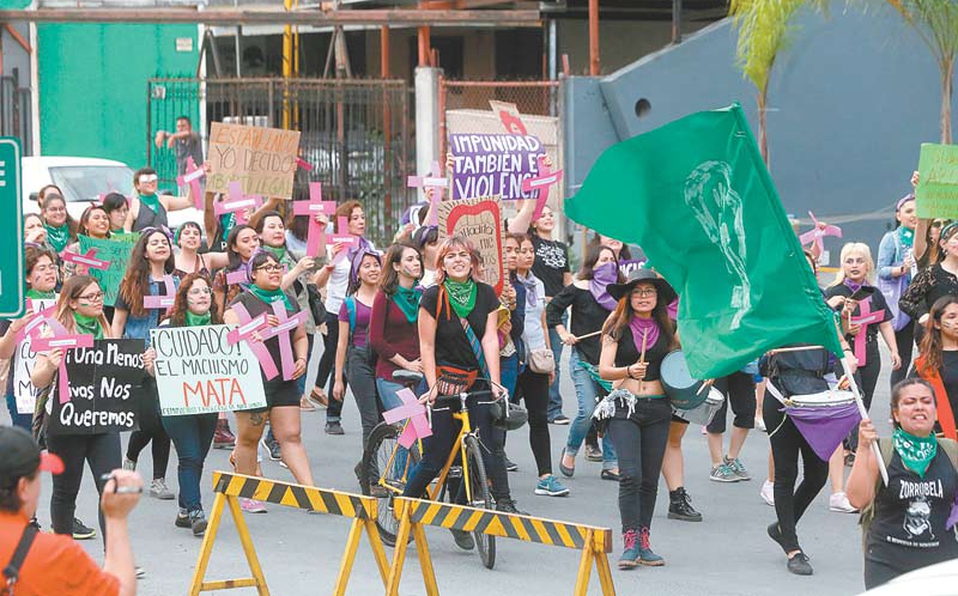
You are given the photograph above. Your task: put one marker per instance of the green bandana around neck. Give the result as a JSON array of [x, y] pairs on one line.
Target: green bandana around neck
[[151, 201], [31, 293], [915, 452], [58, 237], [271, 296], [197, 320], [462, 295], [277, 251], [88, 325], [407, 299]]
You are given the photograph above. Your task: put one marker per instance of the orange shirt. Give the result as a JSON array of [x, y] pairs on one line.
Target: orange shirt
[[55, 565]]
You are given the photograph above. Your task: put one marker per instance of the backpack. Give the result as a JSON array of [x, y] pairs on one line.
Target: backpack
[[371, 357], [887, 451]]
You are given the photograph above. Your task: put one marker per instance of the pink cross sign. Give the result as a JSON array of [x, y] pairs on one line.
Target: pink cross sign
[[192, 179], [32, 329], [237, 203], [250, 325], [63, 341], [166, 301], [434, 180], [284, 332], [304, 165], [240, 276], [415, 412], [343, 237], [865, 318], [316, 236], [88, 259], [542, 184], [819, 231]]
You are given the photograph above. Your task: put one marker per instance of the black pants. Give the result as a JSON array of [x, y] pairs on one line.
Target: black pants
[[361, 375], [151, 429], [436, 450], [787, 443], [100, 452], [533, 387], [867, 379], [739, 389], [640, 442], [905, 338], [334, 410]]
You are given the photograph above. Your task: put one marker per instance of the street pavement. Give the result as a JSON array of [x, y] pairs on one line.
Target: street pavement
[[728, 553]]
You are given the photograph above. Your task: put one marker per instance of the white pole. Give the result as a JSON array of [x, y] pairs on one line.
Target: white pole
[[864, 413]]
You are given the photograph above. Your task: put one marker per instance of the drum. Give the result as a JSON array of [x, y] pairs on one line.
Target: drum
[[683, 390], [823, 399], [705, 411]]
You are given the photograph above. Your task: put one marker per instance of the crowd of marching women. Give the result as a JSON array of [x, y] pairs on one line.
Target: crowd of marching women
[[421, 308]]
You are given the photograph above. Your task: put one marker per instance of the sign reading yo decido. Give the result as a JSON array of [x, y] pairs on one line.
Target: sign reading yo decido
[[262, 159]]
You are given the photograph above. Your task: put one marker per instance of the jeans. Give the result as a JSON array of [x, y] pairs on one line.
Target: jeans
[[787, 443], [640, 442], [301, 381], [192, 436], [150, 429], [334, 410], [361, 377], [508, 372], [586, 393], [22, 420], [101, 453], [388, 393], [555, 398]]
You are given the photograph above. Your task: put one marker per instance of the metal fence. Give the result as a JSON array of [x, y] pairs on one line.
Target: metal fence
[[356, 134], [15, 115]]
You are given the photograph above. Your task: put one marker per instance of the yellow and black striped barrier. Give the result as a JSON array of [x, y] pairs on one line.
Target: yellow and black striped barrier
[[230, 487], [413, 514]]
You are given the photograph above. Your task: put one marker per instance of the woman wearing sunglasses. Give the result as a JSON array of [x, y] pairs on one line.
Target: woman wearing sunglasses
[[147, 208]]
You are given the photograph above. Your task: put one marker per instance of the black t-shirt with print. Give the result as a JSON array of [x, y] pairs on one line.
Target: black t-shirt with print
[[452, 347], [551, 264]]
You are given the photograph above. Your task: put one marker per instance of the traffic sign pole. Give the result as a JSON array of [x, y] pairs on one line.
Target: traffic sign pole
[[12, 283]]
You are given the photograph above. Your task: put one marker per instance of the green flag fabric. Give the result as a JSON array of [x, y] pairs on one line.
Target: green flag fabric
[[696, 196]]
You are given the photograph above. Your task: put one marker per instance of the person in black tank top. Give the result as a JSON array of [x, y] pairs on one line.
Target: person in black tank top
[[910, 528], [635, 339]]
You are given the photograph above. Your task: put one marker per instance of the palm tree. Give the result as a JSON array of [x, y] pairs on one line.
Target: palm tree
[[936, 22], [763, 31]]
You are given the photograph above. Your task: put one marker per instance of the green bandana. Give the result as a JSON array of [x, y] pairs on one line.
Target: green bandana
[[31, 293], [271, 296], [915, 452], [197, 320], [462, 295], [407, 299], [88, 325], [58, 237], [277, 251], [151, 201]]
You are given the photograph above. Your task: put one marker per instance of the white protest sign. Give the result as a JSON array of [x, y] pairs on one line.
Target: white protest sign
[[24, 361]]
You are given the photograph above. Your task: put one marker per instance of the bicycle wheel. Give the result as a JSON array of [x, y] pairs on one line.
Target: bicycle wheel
[[481, 499], [386, 467]]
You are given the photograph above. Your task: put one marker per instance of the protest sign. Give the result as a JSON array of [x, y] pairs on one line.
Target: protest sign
[[262, 159], [493, 165], [199, 371], [23, 389], [479, 220], [105, 389], [117, 252], [937, 190]]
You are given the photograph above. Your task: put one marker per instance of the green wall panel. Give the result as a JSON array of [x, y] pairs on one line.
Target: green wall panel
[[93, 85]]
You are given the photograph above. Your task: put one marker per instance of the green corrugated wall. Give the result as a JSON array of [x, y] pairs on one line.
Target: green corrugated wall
[[92, 80]]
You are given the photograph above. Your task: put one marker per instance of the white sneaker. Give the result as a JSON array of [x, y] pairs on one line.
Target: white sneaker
[[838, 503], [768, 493], [760, 423], [252, 505]]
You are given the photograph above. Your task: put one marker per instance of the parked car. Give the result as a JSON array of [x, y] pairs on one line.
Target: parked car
[[83, 180]]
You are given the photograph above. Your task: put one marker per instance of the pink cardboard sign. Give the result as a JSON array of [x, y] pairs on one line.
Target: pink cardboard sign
[[192, 179], [284, 332], [152, 302], [819, 231], [262, 354], [865, 318], [344, 238], [237, 203], [415, 412], [88, 259], [542, 184], [63, 342], [434, 180], [316, 236]]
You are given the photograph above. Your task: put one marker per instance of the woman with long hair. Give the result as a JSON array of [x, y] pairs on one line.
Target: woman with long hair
[[335, 278], [637, 412], [61, 229], [455, 360], [933, 283], [937, 360], [95, 223], [117, 207], [79, 310], [896, 260], [354, 360], [393, 325], [241, 243], [150, 273], [33, 229], [192, 434], [591, 304], [188, 239]]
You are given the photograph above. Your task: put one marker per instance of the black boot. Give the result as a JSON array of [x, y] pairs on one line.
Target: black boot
[[680, 506]]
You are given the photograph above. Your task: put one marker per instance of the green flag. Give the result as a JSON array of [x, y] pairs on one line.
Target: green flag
[[695, 195]]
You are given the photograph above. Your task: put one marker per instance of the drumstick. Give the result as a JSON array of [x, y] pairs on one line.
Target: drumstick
[[645, 336], [588, 335], [795, 349]]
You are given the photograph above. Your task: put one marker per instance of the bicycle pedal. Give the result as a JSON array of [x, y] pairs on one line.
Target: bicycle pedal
[[455, 472]]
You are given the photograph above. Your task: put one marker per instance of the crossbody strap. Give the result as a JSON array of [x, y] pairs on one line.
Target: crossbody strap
[[12, 570], [474, 342]]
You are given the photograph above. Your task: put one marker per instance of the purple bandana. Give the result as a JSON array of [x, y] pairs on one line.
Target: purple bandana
[[529, 282], [602, 276], [854, 287], [646, 328]]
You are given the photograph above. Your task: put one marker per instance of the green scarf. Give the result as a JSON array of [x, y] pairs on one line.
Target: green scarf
[[270, 296], [31, 293], [277, 251], [58, 237], [197, 320], [88, 325], [151, 201], [407, 299], [462, 295], [915, 452]]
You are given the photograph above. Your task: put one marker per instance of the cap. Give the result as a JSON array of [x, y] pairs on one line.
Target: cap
[[22, 456]]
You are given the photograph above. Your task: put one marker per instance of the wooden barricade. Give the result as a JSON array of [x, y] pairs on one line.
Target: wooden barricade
[[413, 514], [230, 487]]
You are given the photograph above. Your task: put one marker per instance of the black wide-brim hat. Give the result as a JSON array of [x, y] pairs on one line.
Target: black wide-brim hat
[[665, 292]]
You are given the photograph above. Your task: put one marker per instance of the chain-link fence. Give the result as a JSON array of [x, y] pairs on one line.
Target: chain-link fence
[[356, 134]]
